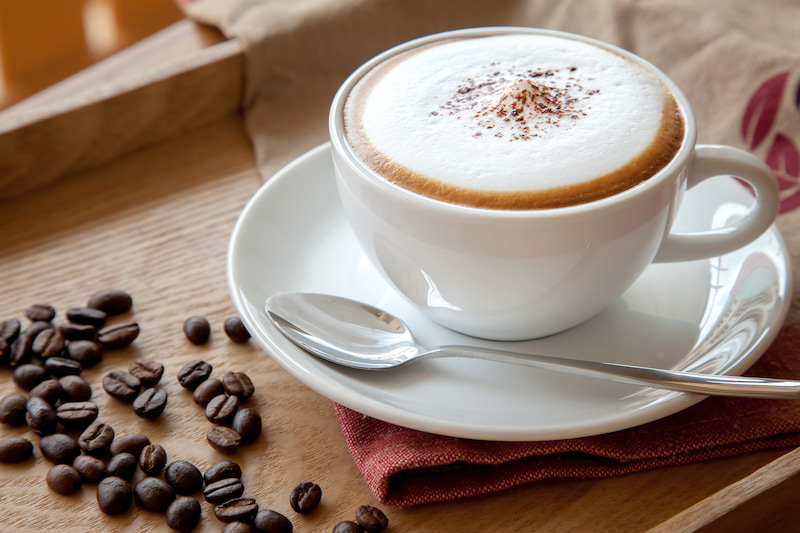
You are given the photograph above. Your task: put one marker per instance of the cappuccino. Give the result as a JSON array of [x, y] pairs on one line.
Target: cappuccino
[[513, 121]]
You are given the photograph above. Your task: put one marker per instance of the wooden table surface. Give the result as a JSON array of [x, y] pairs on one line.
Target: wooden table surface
[[156, 223]]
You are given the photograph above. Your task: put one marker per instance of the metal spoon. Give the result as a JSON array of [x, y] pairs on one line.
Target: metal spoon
[[358, 335]]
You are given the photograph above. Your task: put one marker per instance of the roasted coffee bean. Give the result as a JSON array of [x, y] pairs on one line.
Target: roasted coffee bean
[[371, 518], [12, 409], [75, 389], [5, 351], [61, 366], [117, 336], [207, 390], [76, 415], [111, 302], [238, 510], [238, 527], [96, 439], [91, 469], [15, 449], [150, 403], [197, 329], [347, 526], [87, 315], [223, 490], [48, 343], [152, 459], [76, 332], [305, 497], [40, 415], [235, 330], [238, 384], [183, 514], [122, 465], [9, 329], [21, 350], [27, 376], [59, 448], [121, 386], [221, 409], [114, 495], [247, 423], [133, 443], [154, 494], [87, 353], [224, 439], [269, 521], [184, 477], [222, 470], [149, 372], [40, 312], [193, 373], [63, 479], [50, 390]]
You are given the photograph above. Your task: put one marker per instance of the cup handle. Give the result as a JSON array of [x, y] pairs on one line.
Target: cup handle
[[715, 160]]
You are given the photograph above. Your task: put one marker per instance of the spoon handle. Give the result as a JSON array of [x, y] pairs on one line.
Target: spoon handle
[[709, 385]]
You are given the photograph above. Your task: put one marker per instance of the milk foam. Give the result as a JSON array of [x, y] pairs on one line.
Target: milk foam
[[513, 112]]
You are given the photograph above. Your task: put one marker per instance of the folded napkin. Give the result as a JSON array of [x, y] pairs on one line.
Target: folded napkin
[[738, 63]]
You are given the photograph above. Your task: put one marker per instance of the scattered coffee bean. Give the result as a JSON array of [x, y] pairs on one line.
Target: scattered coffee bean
[[183, 514], [237, 527], [193, 373], [121, 386], [238, 384], [21, 349], [305, 497], [9, 329], [348, 526], [184, 477], [154, 494], [48, 343], [96, 439], [224, 439], [40, 415], [118, 336], [91, 469], [12, 409], [76, 415], [222, 470], [133, 443], [50, 390], [75, 389], [61, 366], [111, 302], [59, 448], [207, 390], [235, 330], [114, 495], [76, 332], [87, 315], [238, 510], [122, 465], [269, 521], [371, 518], [149, 372], [197, 329], [27, 376], [150, 403], [63, 479], [15, 449], [152, 459], [223, 490], [221, 409], [5, 351], [87, 353], [247, 423], [40, 312]]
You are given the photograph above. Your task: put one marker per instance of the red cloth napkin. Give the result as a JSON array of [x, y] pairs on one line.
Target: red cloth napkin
[[404, 467]]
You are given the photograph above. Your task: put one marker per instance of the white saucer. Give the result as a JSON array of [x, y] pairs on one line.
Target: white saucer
[[714, 316]]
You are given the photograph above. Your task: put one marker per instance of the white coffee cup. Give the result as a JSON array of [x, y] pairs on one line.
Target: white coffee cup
[[522, 274]]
